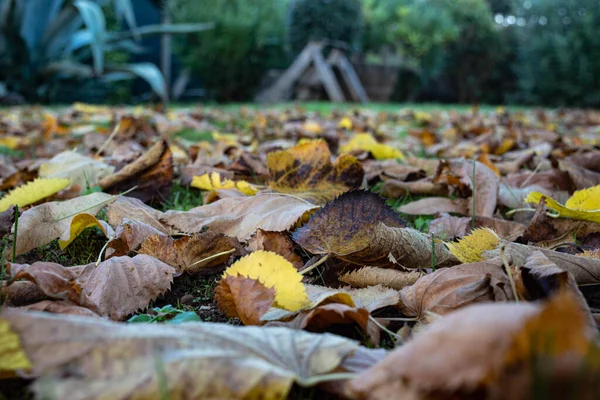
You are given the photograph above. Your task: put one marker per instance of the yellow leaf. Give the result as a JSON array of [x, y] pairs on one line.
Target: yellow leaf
[[12, 356], [312, 127], [213, 182], [33, 192], [13, 142], [470, 248], [583, 205], [364, 141], [345, 123], [227, 138], [79, 223], [273, 271]]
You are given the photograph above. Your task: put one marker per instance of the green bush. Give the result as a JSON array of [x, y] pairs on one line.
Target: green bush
[[248, 39], [559, 53], [336, 20]]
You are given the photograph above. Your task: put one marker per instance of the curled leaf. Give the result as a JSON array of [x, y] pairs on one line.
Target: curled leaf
[[583, 205], [81, 222]]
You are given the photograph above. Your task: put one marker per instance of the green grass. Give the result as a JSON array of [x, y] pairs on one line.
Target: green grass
[[182, 198]]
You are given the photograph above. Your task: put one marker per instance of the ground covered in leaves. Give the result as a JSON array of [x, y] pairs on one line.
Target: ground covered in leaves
[[286, 253]]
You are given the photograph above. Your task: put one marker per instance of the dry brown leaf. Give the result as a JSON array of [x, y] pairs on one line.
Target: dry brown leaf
[[129, 235], [115, 288], [21, 293], [434, 205], [42, 224], [244, 298], [360, 228], [241, 216], [449, 289], [152, 175], [585, 270], [306, 171], [7, 219], [128, 208], [60, 307], [394, 189], [193, 254], [582, 178], [471, 350], [449, 227], [277, 242], [236, 362], [371, 276]]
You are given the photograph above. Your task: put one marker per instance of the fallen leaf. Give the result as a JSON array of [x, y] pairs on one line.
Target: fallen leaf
[[213, 182], [241, 216], [306, 170], [277, 242], [128, 237], [21, 293], [371, 276], [366, 142], [81, 222], [193, 255], [134, 209], [151, 174], [273, 271], [470, 248], [449, 289], [469, 351], [7, 219], [395, 189], [77, 168], [12, 356], [115, 288], [434, 205], [60, 307], [371, 232], [244, 298], [32, 192], [449, 227], [583, 205], [265, 361], [42, 224]]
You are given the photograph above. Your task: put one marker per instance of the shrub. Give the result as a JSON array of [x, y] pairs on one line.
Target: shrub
[[336, 20], [248, 38]]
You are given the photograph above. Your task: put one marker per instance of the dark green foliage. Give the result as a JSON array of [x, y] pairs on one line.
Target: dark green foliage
[[559, 53], [247, 40], [335, 20]]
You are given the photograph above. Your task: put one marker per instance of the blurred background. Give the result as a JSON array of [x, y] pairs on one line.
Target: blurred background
[[530, 52]]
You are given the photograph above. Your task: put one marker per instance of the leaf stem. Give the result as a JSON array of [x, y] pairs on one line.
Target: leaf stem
[[109, 139], [102, 250], [14, 249], [386, 330], [315, 265], [508, 272], [516, 210]]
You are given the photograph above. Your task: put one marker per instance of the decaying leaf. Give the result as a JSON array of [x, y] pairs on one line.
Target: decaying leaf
[[114, 288], [371, 232], [60, 307], [434, 205], [42, 224], [277, 242], [33, 192], [80, 170], [366, 142], [241, 216], [473, 349], [449, 289], [470, 248], [199, 253], [244, 298], [7, 219], [134, 209], [236, 362], [448, 227], [273, 271], [371, 276], [128, 237], [306, 170]]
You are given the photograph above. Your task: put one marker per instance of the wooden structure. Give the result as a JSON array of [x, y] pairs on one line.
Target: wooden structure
[[311, 66]]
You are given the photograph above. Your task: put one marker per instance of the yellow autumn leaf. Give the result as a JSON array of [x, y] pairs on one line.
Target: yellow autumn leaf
[[312, 127], [228, 138], [12, 356], [583, 205], [365, 141], [33, 192], [79, 223], [13, 142], [345, 123], [213, 182], [470, 248], [273, 271]]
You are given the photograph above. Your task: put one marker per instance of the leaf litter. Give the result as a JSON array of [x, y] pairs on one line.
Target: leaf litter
[[459, 261]]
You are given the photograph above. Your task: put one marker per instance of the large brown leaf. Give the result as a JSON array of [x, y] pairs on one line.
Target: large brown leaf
[[306, 170], [129, 208], [371, 276], [244, 298], [241, 216], [277, 242], [360, 228], [449, 289], [115, 288], [129, 235], [477, 349], [86, 358]]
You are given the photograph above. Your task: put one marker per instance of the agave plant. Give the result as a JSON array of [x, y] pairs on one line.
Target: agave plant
[[41, 41]]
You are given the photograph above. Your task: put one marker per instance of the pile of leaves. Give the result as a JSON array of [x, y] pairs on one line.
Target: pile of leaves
[[357, 255]]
